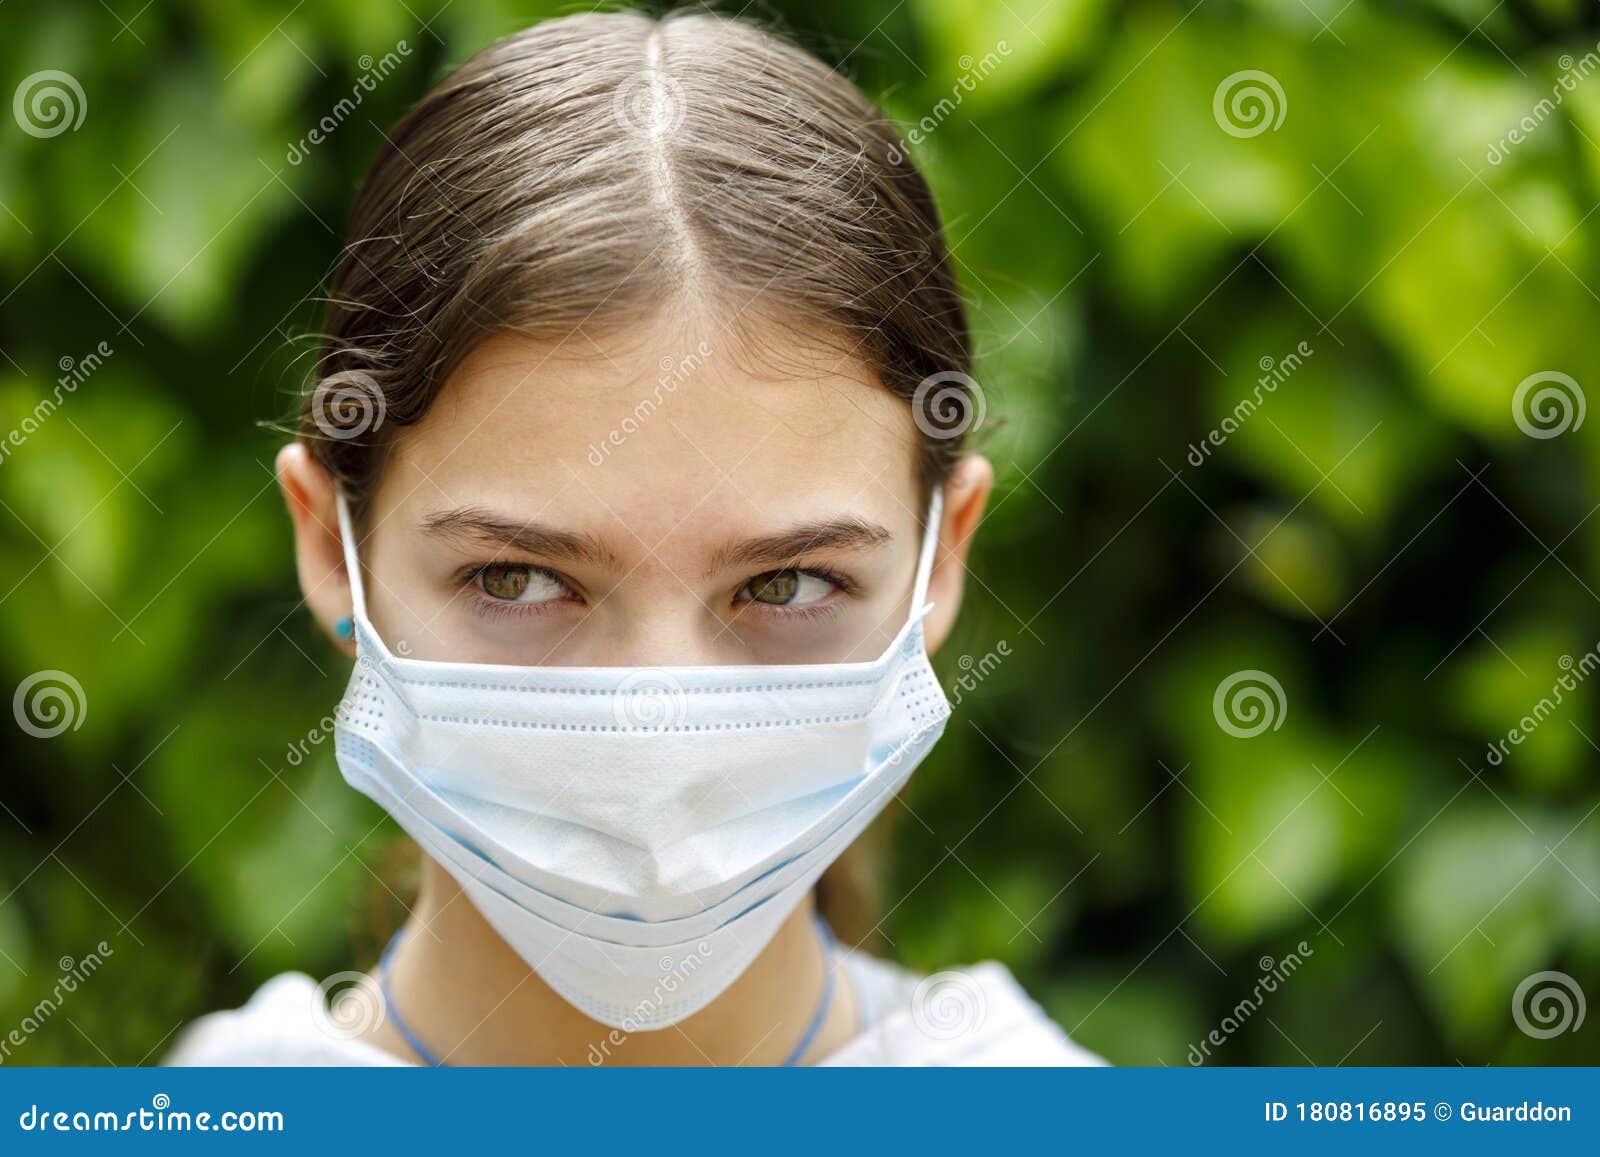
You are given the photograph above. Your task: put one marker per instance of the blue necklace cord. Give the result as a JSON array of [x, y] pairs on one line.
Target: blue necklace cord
[[393, 1009], [830, 967], [802, 1046]]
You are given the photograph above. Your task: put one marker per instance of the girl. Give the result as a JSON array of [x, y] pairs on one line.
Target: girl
[[634, 485]]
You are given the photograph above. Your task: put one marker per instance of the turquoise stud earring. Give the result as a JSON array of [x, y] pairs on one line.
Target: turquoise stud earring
[[345, 627]]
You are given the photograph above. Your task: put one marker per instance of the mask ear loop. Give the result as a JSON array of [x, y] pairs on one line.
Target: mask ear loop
[[352, 564], [930, 544]]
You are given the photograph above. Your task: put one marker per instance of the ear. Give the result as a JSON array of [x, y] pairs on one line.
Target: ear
[[309, 492], [965, 496]]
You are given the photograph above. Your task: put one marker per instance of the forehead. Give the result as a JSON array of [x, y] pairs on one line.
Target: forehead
[[671, 429]]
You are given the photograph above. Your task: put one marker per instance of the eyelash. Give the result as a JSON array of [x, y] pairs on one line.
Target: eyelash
[[814, 612], [500, 609]]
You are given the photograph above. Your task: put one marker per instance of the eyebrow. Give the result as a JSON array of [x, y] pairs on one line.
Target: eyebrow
[[782, 548], [485, 526], [787, 546]]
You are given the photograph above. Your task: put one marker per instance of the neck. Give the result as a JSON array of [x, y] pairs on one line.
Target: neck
[[467, 995]]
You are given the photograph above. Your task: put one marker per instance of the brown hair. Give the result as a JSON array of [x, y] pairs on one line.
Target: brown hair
[[583, 173]]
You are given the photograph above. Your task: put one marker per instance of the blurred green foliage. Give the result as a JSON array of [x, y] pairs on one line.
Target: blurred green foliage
[[1380, 535]]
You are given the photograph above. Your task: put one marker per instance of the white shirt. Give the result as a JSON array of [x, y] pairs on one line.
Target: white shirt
[[972, 1016]]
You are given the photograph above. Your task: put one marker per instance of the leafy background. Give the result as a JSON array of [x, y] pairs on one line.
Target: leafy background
[[1381, 536]]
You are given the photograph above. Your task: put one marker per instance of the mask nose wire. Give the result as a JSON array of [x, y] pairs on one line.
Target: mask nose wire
[[352, 564]]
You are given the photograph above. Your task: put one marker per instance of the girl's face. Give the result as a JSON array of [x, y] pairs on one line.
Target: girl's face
[[659, 501]]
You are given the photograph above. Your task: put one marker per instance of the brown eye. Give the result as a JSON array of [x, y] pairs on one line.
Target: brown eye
[[776, 589], [524, 584], [505, 582]]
